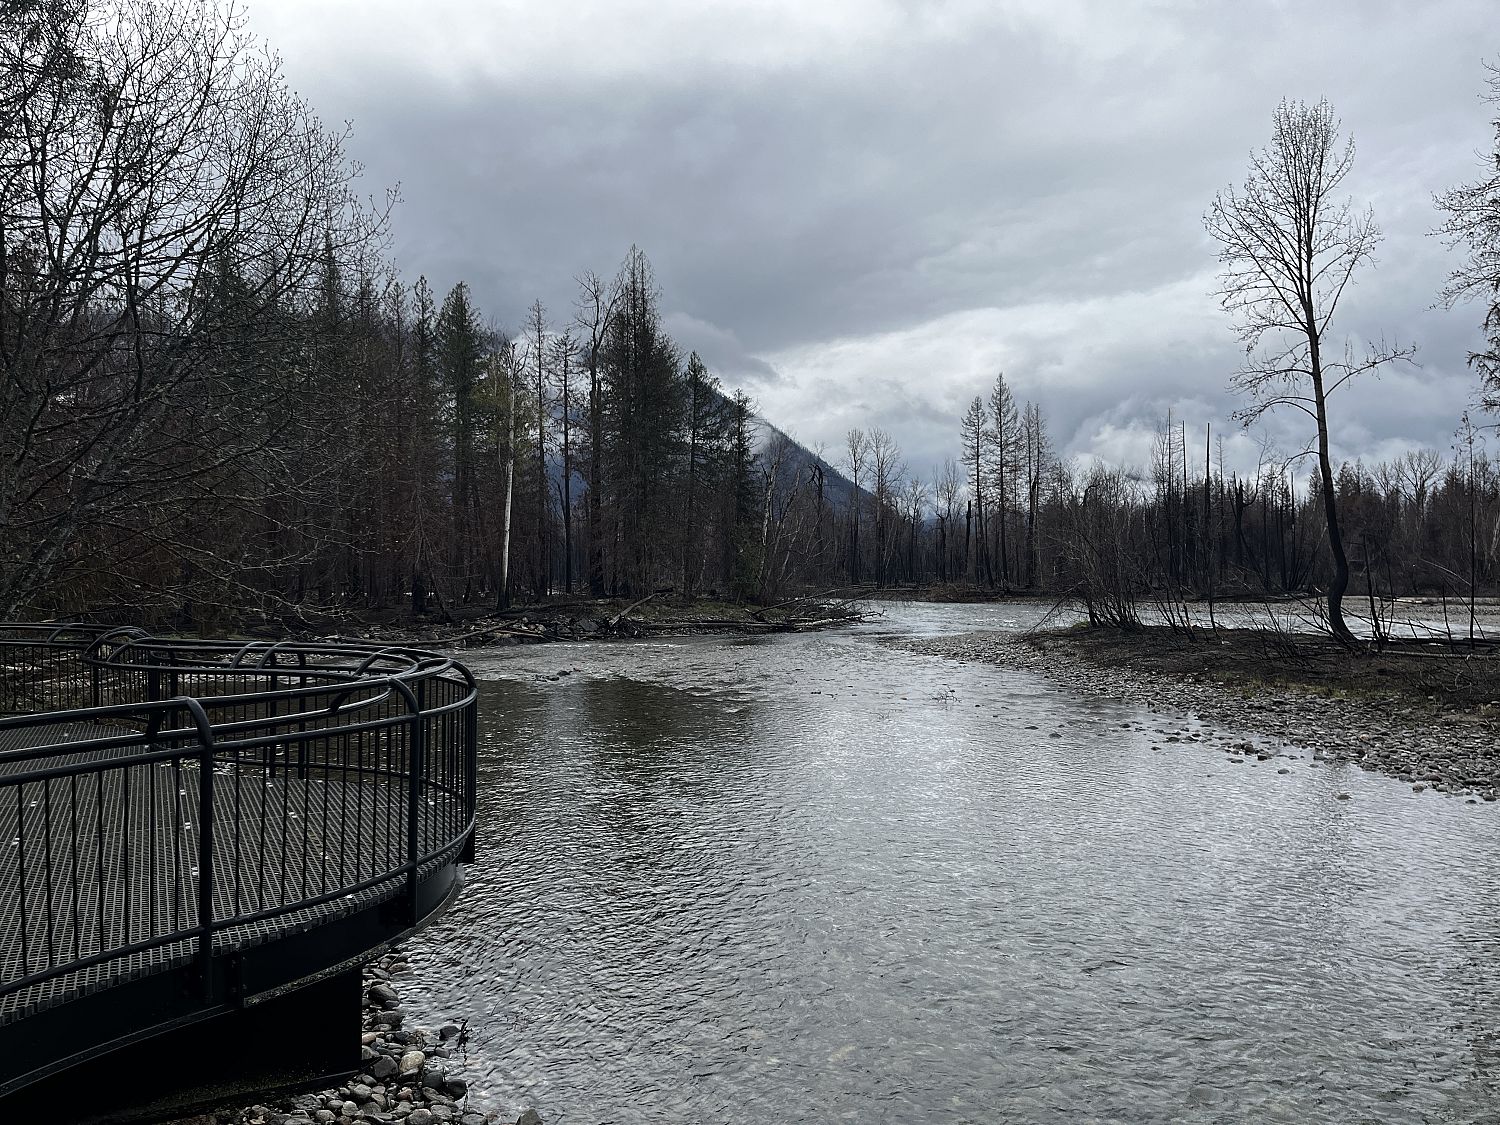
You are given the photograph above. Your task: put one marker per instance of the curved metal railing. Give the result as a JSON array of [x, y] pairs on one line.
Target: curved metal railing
[[167, 801]]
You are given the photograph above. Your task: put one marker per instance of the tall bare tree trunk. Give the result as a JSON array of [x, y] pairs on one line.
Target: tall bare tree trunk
[[509, 458]]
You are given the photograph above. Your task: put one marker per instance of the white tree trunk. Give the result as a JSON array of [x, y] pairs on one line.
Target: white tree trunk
[[503, 594]]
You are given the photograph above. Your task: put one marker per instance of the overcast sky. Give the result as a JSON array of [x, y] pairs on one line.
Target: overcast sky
[[860, 211]]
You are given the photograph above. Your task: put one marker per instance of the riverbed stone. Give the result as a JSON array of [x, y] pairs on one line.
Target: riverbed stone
[[373, 1096], [384, 1067]]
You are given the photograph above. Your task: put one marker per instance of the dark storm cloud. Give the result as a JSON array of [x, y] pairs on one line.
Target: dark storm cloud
[[862, 211]]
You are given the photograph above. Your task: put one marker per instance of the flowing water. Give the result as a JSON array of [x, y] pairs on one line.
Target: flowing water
[[817, 878]]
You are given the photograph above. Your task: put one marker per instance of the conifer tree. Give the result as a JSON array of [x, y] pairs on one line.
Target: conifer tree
[[460, 351]]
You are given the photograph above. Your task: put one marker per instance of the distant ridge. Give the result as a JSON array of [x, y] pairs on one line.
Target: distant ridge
[[837, 488]]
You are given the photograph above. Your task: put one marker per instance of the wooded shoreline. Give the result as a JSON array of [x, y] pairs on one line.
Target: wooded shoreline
[[572, 619]]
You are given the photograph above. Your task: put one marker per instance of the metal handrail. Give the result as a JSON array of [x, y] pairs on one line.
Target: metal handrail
[[279, 761]]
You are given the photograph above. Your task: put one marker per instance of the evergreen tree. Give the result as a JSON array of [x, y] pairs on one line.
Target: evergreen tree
[[643, 424], [460, 352]]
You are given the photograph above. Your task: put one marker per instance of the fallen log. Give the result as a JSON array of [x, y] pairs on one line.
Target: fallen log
[[614, 621], [490, 630]]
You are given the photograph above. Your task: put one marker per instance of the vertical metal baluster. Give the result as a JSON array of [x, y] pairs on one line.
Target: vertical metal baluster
[[73, 864], [47, 867], [126, 877], [21, 867], [266, 789], [343, 829], [396, 769], [306, 865], [238, 774], [205, 849], [179, 829], [414, 797], [99, 856], [359, 796], [151, 821], [286, 829], [323, 841]]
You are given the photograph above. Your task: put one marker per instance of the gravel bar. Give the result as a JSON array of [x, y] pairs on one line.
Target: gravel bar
[[1453, 753]]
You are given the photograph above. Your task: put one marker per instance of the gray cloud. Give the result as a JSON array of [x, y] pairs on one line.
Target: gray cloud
[[862, 211]]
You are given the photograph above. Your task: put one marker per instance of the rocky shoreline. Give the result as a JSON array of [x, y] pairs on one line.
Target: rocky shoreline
[[408, 1075], [1453, 752]]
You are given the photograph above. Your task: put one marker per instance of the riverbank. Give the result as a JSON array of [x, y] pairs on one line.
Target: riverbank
[[1430, 720], [408, 1075], [580, 619]]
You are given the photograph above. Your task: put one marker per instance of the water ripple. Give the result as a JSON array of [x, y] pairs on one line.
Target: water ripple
[[813, 878]]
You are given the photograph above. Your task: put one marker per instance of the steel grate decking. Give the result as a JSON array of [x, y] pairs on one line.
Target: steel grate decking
[[99, 860], [325, 789]]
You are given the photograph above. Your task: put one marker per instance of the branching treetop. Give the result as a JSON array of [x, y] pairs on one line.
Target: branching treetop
[[1288, 250]]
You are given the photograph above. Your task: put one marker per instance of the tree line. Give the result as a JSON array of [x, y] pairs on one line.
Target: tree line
[[1183, 528], [1290, 246], [220, 398]]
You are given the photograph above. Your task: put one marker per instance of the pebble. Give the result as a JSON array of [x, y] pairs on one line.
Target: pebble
[[376, 1095]]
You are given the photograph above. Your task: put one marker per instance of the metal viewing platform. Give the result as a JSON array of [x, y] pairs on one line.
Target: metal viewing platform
[[200, 842]]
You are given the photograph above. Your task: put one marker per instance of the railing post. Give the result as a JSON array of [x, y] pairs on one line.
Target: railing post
[[471, 771], [418, 766], [205, 846]]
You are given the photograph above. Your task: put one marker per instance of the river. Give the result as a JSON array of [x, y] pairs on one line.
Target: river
[[816, 878]]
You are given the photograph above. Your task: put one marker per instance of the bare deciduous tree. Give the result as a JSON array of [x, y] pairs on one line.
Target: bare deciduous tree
[[856, 460], [1288, 250], [1003, 457], [887, 470], [165, 200], [1473, 222], [500, 391], [975, 436], [595, 309], [537, 338], [564, 355], [946, 490]]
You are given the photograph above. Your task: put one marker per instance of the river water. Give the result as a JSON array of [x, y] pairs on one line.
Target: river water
[[816, 878]]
